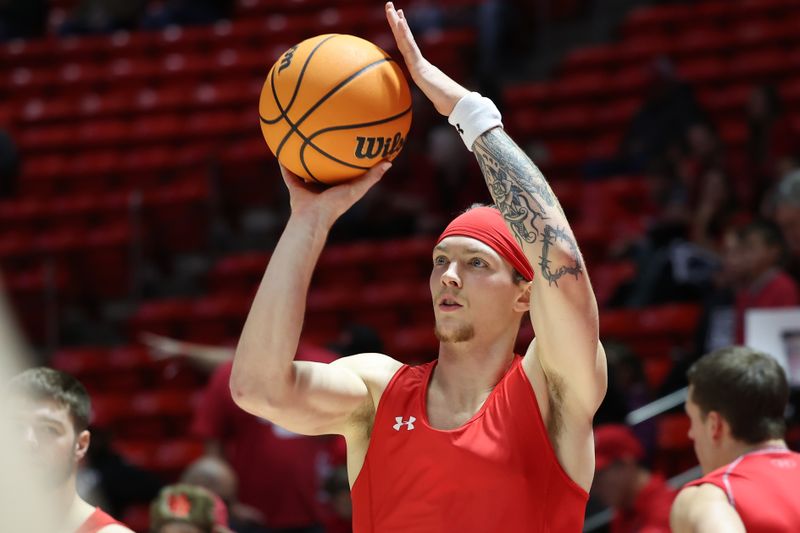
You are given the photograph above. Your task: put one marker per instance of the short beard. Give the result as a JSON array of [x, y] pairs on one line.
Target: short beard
[[461, 334]]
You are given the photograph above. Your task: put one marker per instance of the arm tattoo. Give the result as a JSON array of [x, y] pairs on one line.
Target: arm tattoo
[[521, 193]]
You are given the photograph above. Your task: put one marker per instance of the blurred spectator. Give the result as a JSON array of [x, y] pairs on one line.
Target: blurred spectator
[[337, 489], [771, 142], [641, 500], [787, 215], [188, 13], [627, 390], [765, 283], [217, 476], [51, 410], [280, 473], [357, 338], [717, 326], [701, 152], [188, 509], [712, 210], [9, 166], [424, 17], [22, 19], [99, 478], [203, 357], [103, 16], [666, 114]]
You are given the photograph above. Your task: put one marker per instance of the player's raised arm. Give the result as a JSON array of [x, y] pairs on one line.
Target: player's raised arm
[[563, 306], [304, 397]]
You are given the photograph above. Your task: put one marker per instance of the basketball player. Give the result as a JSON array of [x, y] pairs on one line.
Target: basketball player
[[481, 439], [51, 409], [736, 404]]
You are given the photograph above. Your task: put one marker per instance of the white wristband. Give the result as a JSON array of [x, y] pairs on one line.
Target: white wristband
[[472, 116]]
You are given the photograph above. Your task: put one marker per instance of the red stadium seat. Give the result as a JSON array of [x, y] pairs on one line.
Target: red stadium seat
[[413, 345], [106, 260], [238, 274], [596, 57], [177, 217], [343, 265], [165, 317], [703, 41], [759, 65], [218, 318], [703, 70], [403, 259], [527, 94]]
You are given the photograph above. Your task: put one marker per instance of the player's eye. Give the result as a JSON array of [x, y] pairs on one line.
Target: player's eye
[[478, 262], [439, 260]]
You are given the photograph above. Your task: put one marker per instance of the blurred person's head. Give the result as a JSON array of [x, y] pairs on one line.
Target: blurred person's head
[[787, 210], [445, 148], [184, 508], [737, 399], [701, 140], [618, 472], [764, 103], [732, 254], [763, 248], [716, 190], [51, 409], [357, 338], [214, 474], [625, 365], [337, 487]]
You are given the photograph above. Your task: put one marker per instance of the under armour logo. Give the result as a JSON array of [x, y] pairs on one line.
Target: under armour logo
[[458, 128], [408, 423]]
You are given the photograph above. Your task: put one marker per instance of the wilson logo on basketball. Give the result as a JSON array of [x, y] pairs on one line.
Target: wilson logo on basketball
[[372, 147], [287, 59]]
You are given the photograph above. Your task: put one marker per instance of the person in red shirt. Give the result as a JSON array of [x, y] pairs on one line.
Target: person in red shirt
[[766, 283], [279, 471], [736, 404], [51, 410], [481, 439], [641, 499]]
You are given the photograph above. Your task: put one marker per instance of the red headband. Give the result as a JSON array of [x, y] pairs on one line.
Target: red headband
[[486, 224]]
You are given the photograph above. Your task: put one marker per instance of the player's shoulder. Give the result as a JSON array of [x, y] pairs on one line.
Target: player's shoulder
[[377, 368], [694, 498], [115, 528]]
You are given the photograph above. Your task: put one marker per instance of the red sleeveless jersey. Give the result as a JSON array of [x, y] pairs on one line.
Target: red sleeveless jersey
[[764, 488], [497, 472], [97, 521]]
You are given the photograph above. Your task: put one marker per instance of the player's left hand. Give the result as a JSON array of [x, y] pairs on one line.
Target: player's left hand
[[440, 88]]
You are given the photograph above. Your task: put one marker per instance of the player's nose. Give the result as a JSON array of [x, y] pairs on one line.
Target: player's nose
[[450, 277]]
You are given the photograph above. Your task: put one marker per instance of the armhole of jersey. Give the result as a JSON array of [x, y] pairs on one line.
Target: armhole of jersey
[[378, 410], [539, 421]]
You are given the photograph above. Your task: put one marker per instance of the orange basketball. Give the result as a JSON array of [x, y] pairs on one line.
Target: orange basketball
[[333, 106]]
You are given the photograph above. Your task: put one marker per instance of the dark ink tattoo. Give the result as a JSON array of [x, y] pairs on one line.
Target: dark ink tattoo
[[549, 238], [521, 193]]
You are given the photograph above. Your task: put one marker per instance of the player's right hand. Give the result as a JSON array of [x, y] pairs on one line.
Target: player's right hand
[[443, 92], [330, 202]]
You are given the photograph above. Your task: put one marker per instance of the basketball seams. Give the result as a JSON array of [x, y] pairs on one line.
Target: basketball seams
[[294, 126], [298, 146], [296, 86], [308, 140]]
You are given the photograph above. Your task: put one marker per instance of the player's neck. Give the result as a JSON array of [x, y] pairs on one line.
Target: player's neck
[[469, 369], [738, 449], [766, 445], [70, 506]]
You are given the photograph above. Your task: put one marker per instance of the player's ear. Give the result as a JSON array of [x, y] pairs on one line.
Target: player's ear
[[82, 444], [717, 425], [523, 302]]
